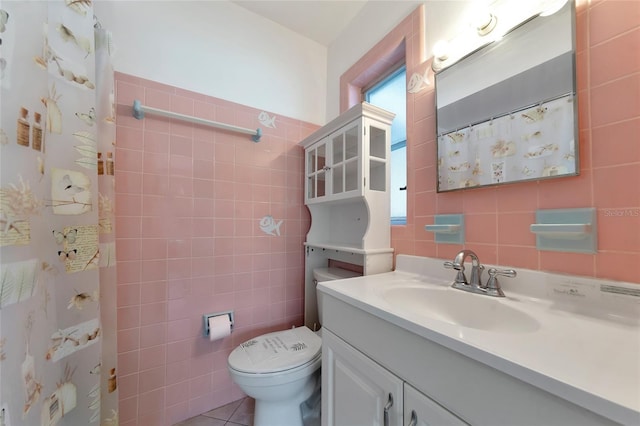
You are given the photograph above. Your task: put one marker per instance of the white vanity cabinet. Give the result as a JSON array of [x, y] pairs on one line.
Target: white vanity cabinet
[[441, 385], [420, 410], [347, 177], [358, 391]]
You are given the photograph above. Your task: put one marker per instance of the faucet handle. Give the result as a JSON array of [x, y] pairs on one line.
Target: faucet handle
[[493, 272], [493, 286], [461, 278], [451, 265]]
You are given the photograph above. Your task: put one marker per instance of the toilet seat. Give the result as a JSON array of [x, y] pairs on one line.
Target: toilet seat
[[276, 352]]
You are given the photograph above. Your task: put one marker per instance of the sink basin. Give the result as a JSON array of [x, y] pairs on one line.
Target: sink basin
[[460, 308]]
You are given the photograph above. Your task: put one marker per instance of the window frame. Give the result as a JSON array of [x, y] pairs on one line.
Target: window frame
[[393, 72]]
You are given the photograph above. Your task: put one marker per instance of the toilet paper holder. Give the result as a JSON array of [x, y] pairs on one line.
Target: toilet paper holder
[[206, 317]]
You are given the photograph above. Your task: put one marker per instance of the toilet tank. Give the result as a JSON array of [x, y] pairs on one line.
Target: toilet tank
[[330, 274]]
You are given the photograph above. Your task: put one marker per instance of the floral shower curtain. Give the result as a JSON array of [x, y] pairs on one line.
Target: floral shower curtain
[[57, 257]]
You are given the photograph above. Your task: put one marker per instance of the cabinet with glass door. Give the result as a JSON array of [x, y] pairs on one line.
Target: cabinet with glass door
[[347, 193], [350, 161]]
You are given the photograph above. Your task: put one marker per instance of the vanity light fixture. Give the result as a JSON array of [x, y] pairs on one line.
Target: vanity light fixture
[[486, 24], [484, 27]]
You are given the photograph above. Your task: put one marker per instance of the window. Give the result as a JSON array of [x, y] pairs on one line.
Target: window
[[390, 94]]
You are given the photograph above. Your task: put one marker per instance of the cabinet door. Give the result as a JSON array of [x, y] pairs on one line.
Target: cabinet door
[[377, 139], [420, 410], [355, 390], [346, 154], [316, 169]]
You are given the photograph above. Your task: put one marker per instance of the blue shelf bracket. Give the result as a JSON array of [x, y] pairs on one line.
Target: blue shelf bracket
[[567, 230], [137, 110], [447, 228], [257, 136]]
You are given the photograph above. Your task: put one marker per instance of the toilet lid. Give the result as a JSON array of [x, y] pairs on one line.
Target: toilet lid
[[277, 351]]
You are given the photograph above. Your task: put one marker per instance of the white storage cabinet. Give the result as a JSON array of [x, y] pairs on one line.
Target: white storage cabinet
[[347, 164]]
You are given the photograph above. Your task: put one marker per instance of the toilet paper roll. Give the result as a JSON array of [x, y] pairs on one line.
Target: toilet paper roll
[[219, 327]]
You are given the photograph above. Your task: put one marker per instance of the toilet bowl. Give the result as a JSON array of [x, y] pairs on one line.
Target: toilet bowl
[[281, 370]]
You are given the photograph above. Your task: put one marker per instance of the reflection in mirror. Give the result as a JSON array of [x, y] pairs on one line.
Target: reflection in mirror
[[508, 111]]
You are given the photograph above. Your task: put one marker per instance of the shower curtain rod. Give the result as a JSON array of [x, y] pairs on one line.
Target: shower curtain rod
[[139, 110]]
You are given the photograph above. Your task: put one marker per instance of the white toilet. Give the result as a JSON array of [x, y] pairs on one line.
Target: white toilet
[[281, 370]]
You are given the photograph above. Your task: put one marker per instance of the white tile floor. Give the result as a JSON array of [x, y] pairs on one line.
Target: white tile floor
[[237, 413]]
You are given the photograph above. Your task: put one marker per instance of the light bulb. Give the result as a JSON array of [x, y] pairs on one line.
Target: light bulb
[[486, 24]]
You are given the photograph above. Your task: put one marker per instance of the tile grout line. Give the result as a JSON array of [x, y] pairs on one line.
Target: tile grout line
[[227, 419], [239, 405], [244, 400]]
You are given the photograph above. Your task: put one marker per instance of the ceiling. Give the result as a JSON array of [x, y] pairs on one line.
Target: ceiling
[[318, 20]]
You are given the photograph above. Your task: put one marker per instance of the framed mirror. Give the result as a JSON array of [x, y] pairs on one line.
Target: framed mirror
[[508, 111]]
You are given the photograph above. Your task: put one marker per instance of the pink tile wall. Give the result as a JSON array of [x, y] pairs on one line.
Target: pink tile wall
[[498, 218], [189, 204]]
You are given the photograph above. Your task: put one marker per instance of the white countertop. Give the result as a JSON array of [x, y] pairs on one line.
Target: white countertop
[[586, 349]]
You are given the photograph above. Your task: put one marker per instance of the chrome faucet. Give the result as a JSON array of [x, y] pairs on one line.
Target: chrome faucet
[[458, 264], [474, 285]]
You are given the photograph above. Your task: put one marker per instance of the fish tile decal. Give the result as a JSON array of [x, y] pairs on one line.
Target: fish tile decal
[[418, 82], [266, 120], [269, 226]]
